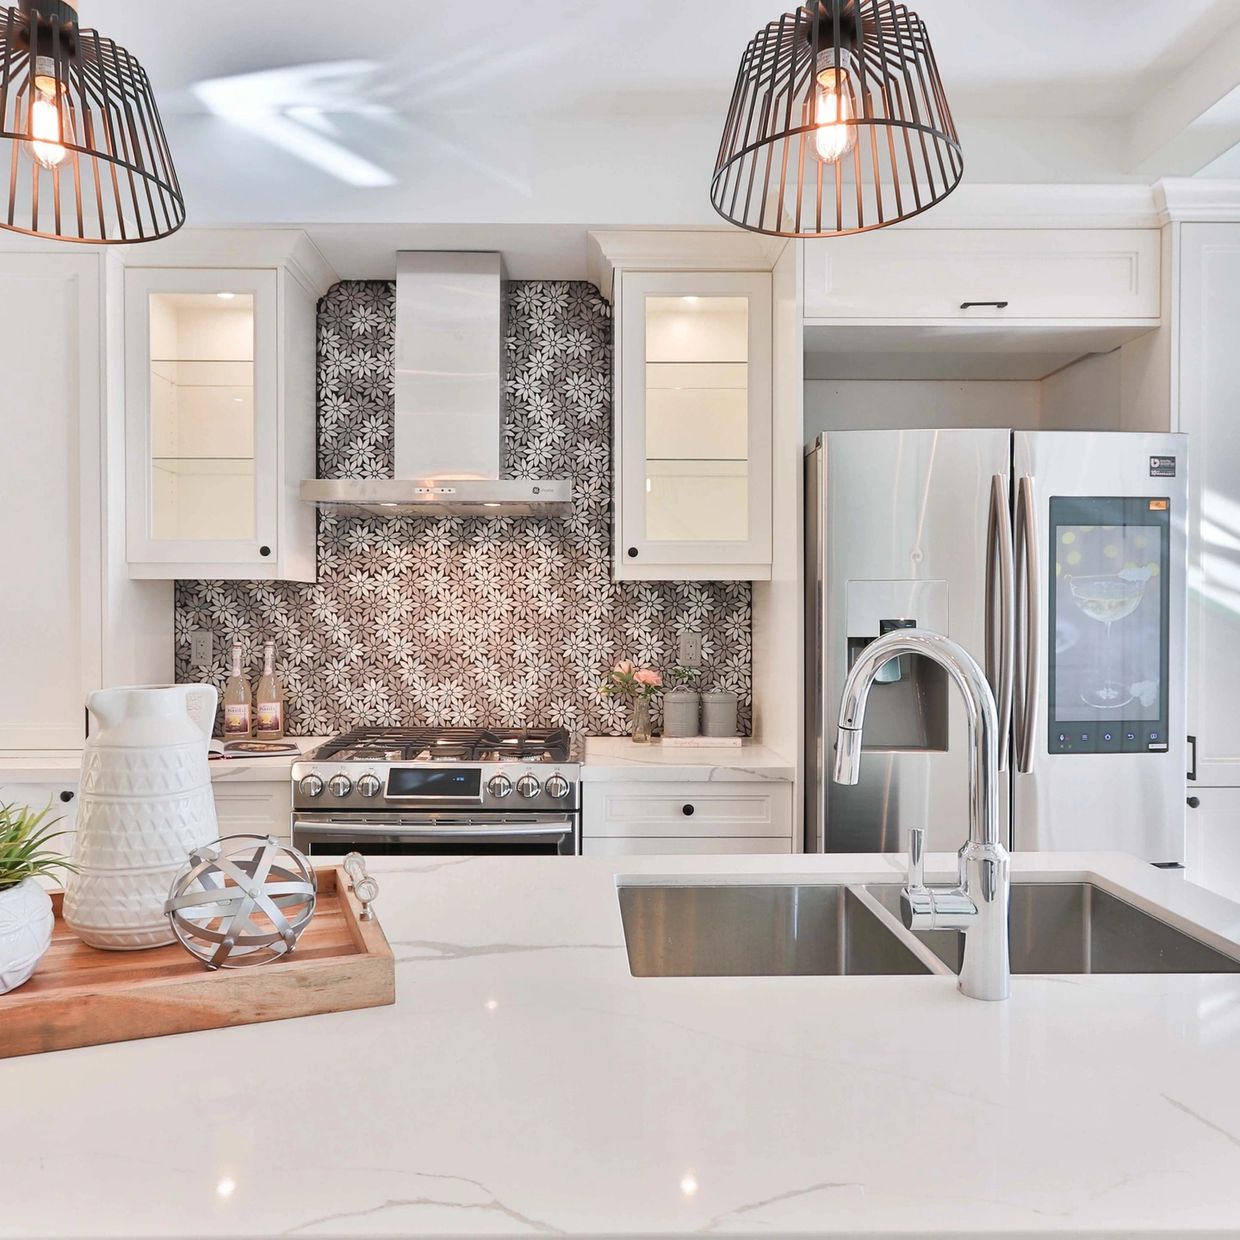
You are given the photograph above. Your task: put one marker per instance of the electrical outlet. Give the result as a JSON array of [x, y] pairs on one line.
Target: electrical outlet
[[689, 649], [201, 648]]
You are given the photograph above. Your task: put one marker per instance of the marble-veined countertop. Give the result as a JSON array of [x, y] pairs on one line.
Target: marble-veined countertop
[[525, 1083]]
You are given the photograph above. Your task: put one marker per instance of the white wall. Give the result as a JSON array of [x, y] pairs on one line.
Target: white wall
[[1086, 395], [845, 404]]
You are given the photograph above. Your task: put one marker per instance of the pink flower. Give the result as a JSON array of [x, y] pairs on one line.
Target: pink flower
[[647, 676]]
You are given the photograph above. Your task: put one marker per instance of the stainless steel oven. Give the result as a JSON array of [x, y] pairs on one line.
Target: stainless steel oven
[[428, 791]]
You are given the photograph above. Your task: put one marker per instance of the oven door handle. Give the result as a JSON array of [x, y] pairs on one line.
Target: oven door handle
[[417, 831]]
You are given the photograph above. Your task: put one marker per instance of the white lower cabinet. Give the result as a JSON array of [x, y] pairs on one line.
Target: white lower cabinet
[[691, 817], [1212, 845], [258, 807]]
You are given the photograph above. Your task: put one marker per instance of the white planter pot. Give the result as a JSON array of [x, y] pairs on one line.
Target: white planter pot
[[25, 931], [145, 803]]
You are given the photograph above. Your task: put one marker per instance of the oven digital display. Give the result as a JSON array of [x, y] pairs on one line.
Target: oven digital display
[[426, 783]]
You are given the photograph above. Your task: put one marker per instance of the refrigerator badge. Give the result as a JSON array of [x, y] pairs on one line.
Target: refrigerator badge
[[1162, 467]]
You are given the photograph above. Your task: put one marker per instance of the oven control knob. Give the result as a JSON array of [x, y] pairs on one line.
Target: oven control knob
[[557, 787], [369, 785], [499, 786], [341, 785], [310, 785], [528, 786]]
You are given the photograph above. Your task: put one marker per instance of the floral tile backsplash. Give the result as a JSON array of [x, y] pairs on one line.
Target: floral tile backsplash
[[462, 621]]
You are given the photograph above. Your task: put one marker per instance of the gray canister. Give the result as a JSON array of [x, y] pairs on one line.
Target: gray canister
[[719, 713], [680, 712]]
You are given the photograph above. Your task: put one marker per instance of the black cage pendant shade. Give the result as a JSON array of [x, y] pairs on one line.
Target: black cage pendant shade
[[838, 124], [83, 155]]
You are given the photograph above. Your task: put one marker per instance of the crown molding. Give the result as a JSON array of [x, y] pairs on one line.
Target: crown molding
[[1194, 199], [657, 249]]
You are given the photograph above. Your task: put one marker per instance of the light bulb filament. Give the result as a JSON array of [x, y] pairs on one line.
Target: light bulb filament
[[834, 135]]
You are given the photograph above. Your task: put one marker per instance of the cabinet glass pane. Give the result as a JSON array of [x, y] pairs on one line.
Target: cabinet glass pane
[[697, 419], [202, 416]]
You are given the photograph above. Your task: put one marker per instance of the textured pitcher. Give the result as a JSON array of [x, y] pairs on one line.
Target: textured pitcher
[[145, 803]]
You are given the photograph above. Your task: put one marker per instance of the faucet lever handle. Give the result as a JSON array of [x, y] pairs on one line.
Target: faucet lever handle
[[916, 858]]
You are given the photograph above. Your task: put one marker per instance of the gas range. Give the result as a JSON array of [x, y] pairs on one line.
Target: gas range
[[412, 790]]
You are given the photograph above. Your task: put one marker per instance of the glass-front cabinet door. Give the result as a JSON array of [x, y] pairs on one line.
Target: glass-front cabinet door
[[201, 385], [693, 418]]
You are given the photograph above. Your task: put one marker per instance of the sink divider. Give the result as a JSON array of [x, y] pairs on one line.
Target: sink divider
[[896, 926]]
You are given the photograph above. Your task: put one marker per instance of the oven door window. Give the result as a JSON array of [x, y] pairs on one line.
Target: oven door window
[[436, 835], [1109, 610]]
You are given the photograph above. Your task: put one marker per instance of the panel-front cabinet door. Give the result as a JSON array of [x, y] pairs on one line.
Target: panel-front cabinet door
[[693, 426], [201, 378]]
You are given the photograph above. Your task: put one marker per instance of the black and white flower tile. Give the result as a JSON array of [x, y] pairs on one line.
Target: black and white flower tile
[[458, 621]]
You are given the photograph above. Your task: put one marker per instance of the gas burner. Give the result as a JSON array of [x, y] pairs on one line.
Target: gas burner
[[529, 745]]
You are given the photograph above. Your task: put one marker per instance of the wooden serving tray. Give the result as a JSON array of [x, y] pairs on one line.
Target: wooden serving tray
[[81, 996]]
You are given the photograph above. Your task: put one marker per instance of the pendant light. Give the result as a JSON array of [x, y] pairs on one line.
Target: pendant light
[[82, 148], [839, 124]]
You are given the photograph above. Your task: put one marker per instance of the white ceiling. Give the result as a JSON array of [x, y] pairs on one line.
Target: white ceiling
[[550, 112]]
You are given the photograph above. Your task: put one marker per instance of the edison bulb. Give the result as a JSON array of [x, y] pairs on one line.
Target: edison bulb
[[833, 138], [46, 137]]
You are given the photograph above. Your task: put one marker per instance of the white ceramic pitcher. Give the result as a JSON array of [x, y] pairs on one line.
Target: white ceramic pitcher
[[145, 803]]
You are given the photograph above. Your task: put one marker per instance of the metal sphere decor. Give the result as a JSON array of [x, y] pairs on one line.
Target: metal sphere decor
[[243, 900]]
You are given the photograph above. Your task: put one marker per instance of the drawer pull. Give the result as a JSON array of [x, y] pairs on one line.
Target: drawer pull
[[687, 810], [66, 796], [997, 305], [1194, 802]]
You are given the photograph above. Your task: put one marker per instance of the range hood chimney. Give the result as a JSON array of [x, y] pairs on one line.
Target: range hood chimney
[[449, 435]]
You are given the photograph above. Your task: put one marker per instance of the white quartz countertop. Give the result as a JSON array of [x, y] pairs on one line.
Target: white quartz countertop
[[525, 1083], [617, 757]]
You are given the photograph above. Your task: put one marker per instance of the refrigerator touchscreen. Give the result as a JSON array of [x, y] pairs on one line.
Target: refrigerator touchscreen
[[1109, 610]]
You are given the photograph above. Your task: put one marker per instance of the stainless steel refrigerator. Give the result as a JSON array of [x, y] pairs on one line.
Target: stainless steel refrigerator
[[1058, 560]]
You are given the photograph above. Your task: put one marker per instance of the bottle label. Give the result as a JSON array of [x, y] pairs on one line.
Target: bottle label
[[237, 720], [271, 716]]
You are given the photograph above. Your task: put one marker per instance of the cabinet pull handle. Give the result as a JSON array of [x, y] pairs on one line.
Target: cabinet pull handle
[[687, 810], [1192, 772], [632, 553], [1194, 802], [998, 305], [66, 796], [264, 551]]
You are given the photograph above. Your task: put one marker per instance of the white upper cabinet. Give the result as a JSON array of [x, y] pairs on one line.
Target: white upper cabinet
[[693, 426], [220, 420], [1043, 275]]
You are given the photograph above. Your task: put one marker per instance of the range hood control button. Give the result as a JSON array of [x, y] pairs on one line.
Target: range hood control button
[[499, 786], [341, 785], [528, 786]]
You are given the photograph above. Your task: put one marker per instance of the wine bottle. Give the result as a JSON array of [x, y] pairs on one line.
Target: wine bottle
[[269, 700], [237, 711]]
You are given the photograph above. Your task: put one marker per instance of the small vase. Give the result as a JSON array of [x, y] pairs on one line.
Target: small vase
[[641, 721], [25, 931]]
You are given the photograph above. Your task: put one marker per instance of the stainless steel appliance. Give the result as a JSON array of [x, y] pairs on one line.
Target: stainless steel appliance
[[419, 791], [1057, 559]]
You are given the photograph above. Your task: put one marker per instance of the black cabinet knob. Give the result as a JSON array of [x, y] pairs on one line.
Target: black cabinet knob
[[632, 553], [264, 551], [66, 796], [687, 810], [1194, 802]]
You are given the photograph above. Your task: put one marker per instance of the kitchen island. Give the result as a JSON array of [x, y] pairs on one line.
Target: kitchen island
[[525, 1082]]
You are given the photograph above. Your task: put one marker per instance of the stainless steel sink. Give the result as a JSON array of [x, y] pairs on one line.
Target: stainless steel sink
[[1079, 928], [747, 930]]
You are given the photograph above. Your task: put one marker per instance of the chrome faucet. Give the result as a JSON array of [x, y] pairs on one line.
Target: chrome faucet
[[978, 903]]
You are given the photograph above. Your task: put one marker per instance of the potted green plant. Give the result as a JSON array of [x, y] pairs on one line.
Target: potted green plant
[[25, 907]]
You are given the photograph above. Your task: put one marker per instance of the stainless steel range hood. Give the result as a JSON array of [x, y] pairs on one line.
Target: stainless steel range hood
[[449, 434]]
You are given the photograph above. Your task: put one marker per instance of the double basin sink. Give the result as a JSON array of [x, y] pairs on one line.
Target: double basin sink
[[746, 930]]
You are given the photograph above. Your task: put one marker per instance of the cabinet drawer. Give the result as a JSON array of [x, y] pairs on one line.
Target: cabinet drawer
[[689, 810], [619, 846], [1040, 274], [51, 797], [259, 808]]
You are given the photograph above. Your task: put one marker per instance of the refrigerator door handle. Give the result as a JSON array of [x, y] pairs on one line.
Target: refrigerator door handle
[[1000, 592], [1027, 561]]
